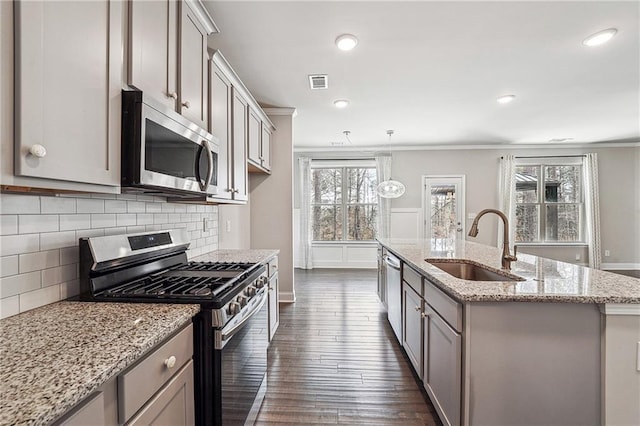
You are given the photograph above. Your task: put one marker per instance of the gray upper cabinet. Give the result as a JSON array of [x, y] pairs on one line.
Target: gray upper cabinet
[[168, 54], [68, 78], [255, 134], [266, 147], [239, 130], [220, 127], [193, 67]]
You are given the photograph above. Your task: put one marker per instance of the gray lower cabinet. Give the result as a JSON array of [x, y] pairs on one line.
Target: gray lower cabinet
[[412, 327], [274, 297], [442, 366], [158, 389]]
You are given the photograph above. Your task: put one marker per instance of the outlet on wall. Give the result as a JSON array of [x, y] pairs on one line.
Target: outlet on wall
[[607, 253]]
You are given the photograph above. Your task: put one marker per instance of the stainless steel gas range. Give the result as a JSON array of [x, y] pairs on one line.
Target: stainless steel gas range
[[231, 330]]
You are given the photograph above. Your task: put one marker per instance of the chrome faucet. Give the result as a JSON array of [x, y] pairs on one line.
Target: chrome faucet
[[507, 258]]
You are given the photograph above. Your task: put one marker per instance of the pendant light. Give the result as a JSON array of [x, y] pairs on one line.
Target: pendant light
[[390, 188]]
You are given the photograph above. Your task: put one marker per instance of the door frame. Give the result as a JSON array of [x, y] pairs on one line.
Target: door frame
[[461, 201]]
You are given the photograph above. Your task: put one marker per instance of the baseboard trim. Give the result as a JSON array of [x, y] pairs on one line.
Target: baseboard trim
[[287, 297], [345, 265], [621, 266]]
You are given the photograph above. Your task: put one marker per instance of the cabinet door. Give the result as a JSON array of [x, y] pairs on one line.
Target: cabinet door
[[68, 81], [173, 404], [255, 133], [153, 49], [193, 67], [412, 327], [443, 367], [266, 147], [220, 126], [239, 144], [89, 412], [274, 306]]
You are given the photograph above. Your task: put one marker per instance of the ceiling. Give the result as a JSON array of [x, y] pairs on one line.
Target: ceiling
[[432, 71]]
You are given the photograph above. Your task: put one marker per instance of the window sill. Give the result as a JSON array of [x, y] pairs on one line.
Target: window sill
[[577, 244]]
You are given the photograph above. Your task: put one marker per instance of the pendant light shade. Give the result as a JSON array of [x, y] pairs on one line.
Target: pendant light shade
[[390, 188]]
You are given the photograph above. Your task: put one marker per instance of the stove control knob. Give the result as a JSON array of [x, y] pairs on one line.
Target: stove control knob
[[251, 290], [234, 308], [261, 282], [242, 300]]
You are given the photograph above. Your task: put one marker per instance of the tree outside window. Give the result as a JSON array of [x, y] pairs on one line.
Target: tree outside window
[[549, 203], [344, 203]]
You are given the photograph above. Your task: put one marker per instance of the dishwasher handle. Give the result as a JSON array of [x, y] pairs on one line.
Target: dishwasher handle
[[392, 262]]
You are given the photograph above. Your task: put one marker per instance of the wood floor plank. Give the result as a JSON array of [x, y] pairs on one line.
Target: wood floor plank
[[334, 359]]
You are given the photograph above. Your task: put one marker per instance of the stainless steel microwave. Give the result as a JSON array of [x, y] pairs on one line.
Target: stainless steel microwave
[[163, 153]]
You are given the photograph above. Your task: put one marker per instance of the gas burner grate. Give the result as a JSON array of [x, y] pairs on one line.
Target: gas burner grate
[[172, 286], [216, 266]]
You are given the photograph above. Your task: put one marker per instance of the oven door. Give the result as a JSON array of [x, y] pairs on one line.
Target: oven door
[[240, 365]]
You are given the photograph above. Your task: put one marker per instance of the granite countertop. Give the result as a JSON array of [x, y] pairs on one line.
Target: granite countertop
[[53, 357], [546, 280], [247, 256]]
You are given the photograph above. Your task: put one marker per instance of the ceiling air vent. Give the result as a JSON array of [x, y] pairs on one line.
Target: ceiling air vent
[[319, 81]]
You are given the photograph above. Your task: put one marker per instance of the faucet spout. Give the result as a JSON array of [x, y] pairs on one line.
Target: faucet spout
[[507, 257]]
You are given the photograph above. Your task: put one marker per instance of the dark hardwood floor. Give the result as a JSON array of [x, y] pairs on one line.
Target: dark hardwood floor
[[334, 359]]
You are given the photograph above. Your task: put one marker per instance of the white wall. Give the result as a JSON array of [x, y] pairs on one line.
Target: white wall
[[39, 238]]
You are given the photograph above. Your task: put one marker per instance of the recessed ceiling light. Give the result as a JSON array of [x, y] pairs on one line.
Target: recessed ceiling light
[[505, 99], [346, 42], [600, 37], [341, 103], [560, 139]]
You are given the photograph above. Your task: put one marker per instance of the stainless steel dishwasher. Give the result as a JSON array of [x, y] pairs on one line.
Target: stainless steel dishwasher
[[393, 279]]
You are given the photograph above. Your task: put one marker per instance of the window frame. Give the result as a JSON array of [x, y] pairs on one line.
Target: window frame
[[541, 164], [345, 204]]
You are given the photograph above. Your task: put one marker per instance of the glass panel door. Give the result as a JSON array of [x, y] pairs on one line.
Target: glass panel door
[[443, 207]]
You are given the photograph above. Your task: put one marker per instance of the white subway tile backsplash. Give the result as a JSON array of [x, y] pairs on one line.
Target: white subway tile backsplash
[[8, 224], [20, 204], [144, 219], [69, 289], [103, 220], [88, 233], [69, 222], [37, 298], [40, 260], [57, 205], [125, 219], [41, 265], [90, 205], [115, 231], [30, 223], [136, 207], [9, 306], [55, 240], [115, 206], [8, 265], [15, 244], [69, 254], [154, 207], [135, 229], [60, 274], [16, 284]]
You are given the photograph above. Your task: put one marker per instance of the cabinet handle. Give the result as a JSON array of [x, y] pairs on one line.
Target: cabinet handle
[[417, 308], [38, 151], [170, 362], [229, 190], [424, 315], [172, 95], [236, 190], [186, 104]]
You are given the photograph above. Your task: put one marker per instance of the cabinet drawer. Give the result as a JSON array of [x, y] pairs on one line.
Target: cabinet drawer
[[412, 278], [447, 308], [272, 266], [140, 382], [88, 412]]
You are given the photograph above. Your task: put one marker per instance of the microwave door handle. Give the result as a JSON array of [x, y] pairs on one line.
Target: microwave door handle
[[210, 165], [202, 185]]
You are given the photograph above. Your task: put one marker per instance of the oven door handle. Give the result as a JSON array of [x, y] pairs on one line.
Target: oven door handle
[[225, 336]]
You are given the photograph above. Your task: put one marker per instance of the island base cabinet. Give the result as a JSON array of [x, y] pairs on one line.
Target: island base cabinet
[[412, 327], [274, 308], [442, 369]]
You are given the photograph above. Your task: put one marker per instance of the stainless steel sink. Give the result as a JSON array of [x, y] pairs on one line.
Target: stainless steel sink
[[469, 271]]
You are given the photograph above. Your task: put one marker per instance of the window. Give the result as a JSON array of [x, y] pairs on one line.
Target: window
[[344, 203], [549, 203]]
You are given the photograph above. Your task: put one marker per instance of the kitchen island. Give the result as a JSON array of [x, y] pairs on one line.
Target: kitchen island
[[565, 356]]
